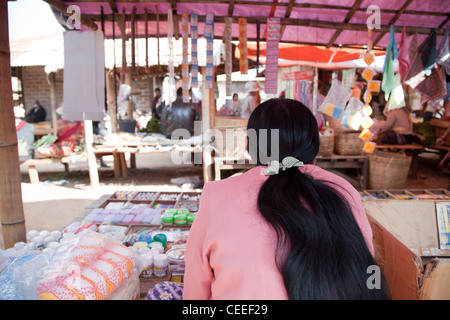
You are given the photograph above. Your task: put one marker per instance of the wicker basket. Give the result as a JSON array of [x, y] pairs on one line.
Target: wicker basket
[[326, 145], [388, 170], [348, 144]]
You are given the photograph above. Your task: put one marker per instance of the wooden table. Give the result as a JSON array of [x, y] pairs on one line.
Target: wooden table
[[347, 162], [230, 164], [32, 171], [118, 152]]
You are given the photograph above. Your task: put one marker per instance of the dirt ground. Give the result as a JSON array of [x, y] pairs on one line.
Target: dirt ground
[[61, 197]]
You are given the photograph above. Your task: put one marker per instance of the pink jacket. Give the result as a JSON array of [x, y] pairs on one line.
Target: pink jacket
[[230, 250]]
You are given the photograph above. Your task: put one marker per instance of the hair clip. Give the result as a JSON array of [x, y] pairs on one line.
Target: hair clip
[[273, 167]]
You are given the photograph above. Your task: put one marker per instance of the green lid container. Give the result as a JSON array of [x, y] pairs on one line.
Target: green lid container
[[183, 210], [160, 237], [190, 218], [171, 211], [180, 219], [167, 219]]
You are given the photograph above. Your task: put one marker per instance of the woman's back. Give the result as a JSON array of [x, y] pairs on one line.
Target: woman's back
[[231, 247], [280, 231]]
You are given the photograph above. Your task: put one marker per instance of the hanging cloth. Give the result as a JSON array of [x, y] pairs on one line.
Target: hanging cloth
[[443, 55], [388, 83], [403, 58]]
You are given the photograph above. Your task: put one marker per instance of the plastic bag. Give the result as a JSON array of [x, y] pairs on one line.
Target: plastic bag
[[334, 103], [87, 266], [354, 106]]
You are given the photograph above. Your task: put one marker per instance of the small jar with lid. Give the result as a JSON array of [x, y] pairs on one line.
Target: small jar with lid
[[160, 265]]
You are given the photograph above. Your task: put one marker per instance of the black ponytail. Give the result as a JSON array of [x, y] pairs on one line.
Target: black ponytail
[[321, 252]]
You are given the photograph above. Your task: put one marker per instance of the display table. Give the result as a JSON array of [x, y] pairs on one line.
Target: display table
[[105, 212], [411, 245]]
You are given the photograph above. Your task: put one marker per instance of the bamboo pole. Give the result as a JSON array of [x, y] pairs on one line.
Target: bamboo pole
[[53, 100], [11, 206], [207, 162], [129, 81], [111, 99]]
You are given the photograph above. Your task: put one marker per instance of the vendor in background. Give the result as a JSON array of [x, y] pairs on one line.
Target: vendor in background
[[271, 234], [158, 105], [143, 120], [180, 116], [25, 135], [397, 128], [36, 114], [252, 100]]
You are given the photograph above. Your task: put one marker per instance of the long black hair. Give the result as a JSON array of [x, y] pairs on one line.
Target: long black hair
[[321, 252]]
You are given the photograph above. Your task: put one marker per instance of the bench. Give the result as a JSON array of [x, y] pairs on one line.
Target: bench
[[32, 171], [409, 149]]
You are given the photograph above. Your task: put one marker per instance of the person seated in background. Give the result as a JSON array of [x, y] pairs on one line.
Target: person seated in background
[[179, 116], [396, 129], [25, 135], [36, 114], [236, 104]]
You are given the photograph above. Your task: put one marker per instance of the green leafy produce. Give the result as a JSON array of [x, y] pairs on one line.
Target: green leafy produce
[[426, 130], [47, 139], [153, 126]]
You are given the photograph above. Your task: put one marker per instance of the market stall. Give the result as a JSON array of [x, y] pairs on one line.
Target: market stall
[[141, 234]]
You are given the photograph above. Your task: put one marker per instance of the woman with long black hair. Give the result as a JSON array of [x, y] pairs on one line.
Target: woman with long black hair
[[285, 229]]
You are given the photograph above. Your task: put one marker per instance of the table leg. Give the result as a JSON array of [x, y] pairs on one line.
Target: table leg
[[123, 165], [414, 165], [365, 172], [132, 160], [117, 165], [33, 174]]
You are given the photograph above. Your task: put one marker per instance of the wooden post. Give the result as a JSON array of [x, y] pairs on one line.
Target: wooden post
[[11, 206], [129, 81], [92, 160], [207, 162], [53, 100], [111, 99]]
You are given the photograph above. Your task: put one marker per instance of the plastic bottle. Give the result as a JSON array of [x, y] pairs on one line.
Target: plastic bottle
[[160, 265]]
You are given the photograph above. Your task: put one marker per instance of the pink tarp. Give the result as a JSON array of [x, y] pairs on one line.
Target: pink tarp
[[336, 12]]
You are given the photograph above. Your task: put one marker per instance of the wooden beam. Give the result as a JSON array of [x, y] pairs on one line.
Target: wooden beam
[[11, 205], [393, 20], [347, 18], [287, 15], [285, 4], [231, 8], [176, 18], [445, 21], [291, 21]]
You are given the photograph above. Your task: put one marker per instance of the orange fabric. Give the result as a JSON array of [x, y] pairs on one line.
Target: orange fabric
[[299, 52]]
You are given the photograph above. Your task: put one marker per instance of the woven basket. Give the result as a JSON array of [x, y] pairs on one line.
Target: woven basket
[[348, 144], [326, 145], [388, 170]]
